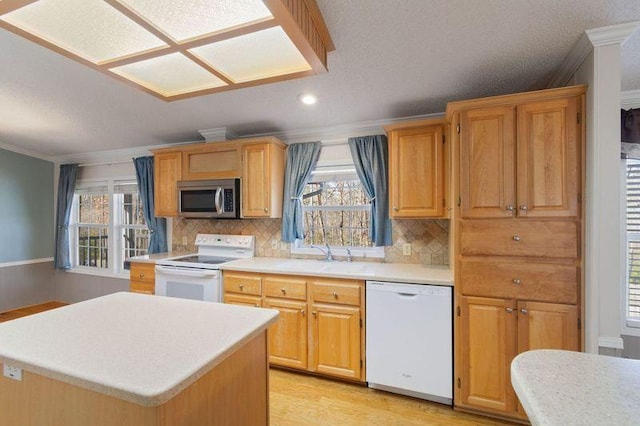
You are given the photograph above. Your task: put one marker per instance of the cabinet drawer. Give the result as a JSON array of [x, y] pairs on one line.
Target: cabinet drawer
[[344, 293], [143, 272], [519, 237], [286, 288], [520, 280], [242, 283]]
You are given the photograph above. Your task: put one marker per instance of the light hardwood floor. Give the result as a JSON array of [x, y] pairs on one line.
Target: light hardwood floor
[[303, 400], [298, 399]]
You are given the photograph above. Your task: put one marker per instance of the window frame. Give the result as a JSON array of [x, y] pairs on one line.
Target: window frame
[[343, 169], [116, 245], [629, 326]]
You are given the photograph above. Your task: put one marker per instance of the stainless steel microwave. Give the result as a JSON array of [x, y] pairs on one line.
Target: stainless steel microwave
[[218, 199]]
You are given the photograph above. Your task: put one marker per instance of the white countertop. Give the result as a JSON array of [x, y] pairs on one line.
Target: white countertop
[[139, 348], [393, 272], [573, 388]]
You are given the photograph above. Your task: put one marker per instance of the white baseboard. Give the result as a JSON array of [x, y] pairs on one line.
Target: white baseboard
[[26, 262]]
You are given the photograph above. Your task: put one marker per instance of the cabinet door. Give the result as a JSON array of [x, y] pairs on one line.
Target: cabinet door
[[548, 158], [547, 326], [256, 185], [167, 172], [487, 162], [242, 299], [416, 172], [335, 341], [211, 161], [288, 336], [488, 345], [142, 277]]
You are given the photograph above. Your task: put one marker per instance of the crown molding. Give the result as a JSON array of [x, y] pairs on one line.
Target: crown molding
[[612, 34], [103, 157], [630, 99], [342, 131], [597, 37], [18, 150], [218, 134]]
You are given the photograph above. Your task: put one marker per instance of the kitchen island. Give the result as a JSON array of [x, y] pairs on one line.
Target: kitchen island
[[572, 388], [131, 359]]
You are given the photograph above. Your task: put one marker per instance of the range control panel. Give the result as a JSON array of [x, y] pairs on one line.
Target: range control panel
[[219, 240]]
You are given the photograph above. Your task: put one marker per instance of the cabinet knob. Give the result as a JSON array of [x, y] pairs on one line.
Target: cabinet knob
[[302, 312], [141, 275], [516, 280], [509, 310], [335, 295], [257, 305], [395, 208], [516, 238], [241, 287], [509, 208], [524, 311], [266, 210], [523, 207], [284, 291], [313, 313]]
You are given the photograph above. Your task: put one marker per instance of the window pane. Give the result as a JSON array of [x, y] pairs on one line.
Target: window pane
[[132, 213], [136, 242], [93, 246], [633, 310], [633, 239]]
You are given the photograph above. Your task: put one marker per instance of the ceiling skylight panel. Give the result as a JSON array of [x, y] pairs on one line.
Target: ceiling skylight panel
[[169, 75], [186, 19], [254, 56], [90, 29]]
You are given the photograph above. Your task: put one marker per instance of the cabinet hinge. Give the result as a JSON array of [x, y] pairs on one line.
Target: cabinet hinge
[[459, 201], [579, 197], [579, 324], [458, 311], [361, 363], [459, 383], [458, 128], [579, 118], [444, 138], [444, 203], [360, 322]]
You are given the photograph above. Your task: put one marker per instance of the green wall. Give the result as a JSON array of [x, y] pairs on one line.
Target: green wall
[[26, 207]]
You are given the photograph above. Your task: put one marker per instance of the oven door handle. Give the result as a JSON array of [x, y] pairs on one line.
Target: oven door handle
[[180, 272]]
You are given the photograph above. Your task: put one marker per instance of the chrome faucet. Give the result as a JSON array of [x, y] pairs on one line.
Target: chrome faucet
[[327, 252]]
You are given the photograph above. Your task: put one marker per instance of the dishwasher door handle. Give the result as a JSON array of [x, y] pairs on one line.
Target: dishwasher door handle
[[408, 295]]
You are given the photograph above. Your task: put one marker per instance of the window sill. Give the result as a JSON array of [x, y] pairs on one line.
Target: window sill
[[97, 273]]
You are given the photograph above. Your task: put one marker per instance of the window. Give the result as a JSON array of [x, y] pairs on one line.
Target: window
[[336, 210], [107, 225], [632, 293]]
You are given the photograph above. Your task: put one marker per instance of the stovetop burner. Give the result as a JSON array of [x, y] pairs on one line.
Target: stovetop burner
[[209, 260]]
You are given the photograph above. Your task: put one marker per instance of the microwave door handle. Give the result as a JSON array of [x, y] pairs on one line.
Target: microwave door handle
[[218, 200]]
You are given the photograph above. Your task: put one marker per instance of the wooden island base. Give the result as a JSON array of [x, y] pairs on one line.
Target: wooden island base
[[235, 392]]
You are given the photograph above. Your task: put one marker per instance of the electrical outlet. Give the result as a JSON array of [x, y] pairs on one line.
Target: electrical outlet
[[14, 373], [184, 241], [284, 246], [406, 249], [274, 244]]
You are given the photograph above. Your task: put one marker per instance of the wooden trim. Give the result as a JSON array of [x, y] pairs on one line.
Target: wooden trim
[[512, 99], [415, 123], [7, 6], [321, 26]]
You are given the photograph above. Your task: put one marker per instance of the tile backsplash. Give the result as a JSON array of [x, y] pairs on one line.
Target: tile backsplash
[[429, 239]]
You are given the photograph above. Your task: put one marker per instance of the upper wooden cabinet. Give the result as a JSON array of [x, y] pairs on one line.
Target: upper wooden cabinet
[[263, 180], [167, 172], [521, 160], [259, 163], [417, 169], [219, 160]]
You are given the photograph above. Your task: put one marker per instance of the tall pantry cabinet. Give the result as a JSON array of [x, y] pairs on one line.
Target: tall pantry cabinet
[[518, 180]]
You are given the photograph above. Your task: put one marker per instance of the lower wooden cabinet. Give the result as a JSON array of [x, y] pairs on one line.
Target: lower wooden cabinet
[[492, 332], [142, 276], [320, 327]]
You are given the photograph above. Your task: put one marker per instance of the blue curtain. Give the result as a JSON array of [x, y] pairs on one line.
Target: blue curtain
[[157, 225], [371, 157], [301, 160], [66, 188]]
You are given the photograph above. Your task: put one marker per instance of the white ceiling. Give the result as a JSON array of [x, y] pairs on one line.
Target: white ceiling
[[393, 58]]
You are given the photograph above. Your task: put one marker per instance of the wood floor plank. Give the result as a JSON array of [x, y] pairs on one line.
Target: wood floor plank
[[298, 399], [29, 310]]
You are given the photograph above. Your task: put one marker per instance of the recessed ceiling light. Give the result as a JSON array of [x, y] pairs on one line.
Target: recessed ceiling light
[[308, 98]]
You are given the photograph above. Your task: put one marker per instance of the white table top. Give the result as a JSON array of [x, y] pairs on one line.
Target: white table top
[[392, 272], [573, 388], [139, 348]]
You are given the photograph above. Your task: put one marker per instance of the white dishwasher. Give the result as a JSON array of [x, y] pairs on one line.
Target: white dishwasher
[[409, 340]]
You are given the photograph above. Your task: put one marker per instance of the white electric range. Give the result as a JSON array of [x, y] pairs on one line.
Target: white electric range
[[197, 276]]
